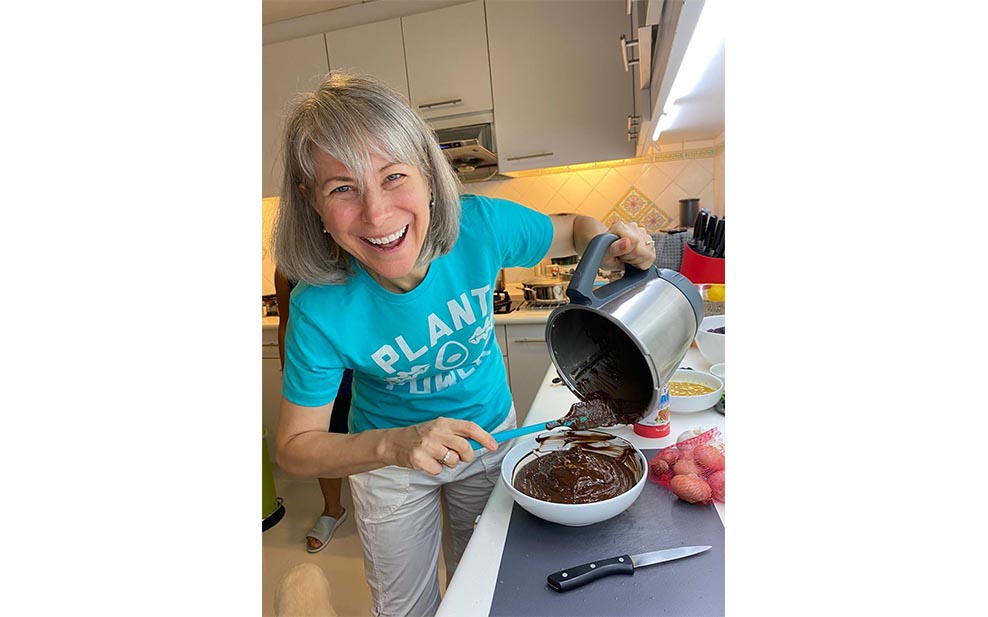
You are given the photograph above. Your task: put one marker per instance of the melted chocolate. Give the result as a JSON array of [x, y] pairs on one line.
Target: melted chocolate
[[588, 467], [601, 409]]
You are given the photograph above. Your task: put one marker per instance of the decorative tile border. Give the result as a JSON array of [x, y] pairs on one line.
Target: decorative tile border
[[635, 207]]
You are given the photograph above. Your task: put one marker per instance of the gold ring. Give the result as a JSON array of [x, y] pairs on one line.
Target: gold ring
[[445, 456]]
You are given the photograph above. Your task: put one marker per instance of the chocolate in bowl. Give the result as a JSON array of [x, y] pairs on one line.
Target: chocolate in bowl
[[614, 484]]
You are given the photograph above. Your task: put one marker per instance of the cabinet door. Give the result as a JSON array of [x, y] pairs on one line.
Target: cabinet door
[[561, 94], [528, 360], [448, 68], [374, 49], [289, 67], [270, 394]]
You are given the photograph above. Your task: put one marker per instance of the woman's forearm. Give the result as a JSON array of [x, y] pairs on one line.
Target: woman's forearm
[[321, 454]]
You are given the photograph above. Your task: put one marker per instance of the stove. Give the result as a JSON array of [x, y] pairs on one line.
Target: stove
[[541, 306], [502, 303]]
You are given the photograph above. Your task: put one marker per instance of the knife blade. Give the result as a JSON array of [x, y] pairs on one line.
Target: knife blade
[[577, 576]]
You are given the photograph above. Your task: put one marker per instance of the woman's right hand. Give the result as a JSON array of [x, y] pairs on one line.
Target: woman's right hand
[[423, 446]]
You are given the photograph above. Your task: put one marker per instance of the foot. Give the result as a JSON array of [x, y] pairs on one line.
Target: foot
[[322, 532]]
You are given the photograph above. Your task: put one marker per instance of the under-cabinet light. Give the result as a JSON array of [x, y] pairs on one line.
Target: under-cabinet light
[[706, 42]]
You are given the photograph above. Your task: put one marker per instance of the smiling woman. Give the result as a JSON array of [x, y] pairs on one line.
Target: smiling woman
[[397, 272], [356, 141]]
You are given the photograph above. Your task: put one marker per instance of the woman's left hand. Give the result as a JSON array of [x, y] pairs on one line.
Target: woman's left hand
[[635, 247]]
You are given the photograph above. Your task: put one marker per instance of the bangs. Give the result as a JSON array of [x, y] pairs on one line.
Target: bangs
[[353, 138]]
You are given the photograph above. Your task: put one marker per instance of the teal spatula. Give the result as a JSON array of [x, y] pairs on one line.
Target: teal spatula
[[525, 430]]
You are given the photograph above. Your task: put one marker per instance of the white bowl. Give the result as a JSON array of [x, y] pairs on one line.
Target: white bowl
[[711, 344], [717, 370], [571, 514], [692, 404]]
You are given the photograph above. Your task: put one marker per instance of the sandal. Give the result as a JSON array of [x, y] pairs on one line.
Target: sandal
[[323, 531]]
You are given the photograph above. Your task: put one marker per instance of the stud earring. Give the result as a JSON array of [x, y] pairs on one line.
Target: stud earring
[[324, 231], [432, 200]]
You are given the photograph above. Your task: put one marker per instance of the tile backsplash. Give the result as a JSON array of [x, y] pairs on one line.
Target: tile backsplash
[[645, 190]]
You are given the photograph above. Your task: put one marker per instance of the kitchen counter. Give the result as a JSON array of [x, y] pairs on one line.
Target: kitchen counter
[[523, 316], [472, 588]]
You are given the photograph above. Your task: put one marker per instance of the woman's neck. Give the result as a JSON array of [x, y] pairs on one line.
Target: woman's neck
[[403, 284]]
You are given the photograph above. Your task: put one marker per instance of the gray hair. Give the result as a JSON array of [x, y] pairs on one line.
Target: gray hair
[[352, 117]]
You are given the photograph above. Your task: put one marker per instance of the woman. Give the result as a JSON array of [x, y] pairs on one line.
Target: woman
[[397, 273]]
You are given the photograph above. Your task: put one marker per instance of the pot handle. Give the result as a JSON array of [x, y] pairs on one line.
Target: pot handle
[[581, 289]]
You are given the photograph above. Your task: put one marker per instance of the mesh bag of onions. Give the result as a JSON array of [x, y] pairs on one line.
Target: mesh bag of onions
[[692, 469]]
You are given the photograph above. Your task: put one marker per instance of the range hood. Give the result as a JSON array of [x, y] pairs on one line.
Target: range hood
[[469, 149]]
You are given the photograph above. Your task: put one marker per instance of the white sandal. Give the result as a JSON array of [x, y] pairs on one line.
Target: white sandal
[[323, 531]]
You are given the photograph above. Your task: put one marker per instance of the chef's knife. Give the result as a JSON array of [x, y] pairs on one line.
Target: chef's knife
[[718, 236], [698, 239], [696, 228], [719, 250], [574, 577], [708, 235]]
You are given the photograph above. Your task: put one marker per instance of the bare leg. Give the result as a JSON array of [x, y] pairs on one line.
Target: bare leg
[[331, 489]]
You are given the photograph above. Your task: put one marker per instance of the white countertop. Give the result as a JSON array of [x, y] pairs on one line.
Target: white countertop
[[523, 316], [472, 588]]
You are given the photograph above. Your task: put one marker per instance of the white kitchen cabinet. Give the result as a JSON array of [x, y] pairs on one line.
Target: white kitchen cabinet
[[528, 360], [446, 55], [561, 94], [270, 379], [288, 67], [375, 49]]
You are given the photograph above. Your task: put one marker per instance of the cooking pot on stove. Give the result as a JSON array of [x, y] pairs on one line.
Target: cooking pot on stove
[[545, 290], [625, 338]]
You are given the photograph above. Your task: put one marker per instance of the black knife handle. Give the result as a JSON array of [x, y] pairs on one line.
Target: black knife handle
[[574, 577]]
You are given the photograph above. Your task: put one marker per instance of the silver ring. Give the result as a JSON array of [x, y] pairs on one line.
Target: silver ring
[[445, 456], [649, 241]]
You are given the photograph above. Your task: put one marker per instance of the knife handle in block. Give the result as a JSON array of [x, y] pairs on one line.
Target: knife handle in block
[[574, 577]]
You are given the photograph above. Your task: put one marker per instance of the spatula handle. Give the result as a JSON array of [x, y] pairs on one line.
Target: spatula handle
[[515, 432]]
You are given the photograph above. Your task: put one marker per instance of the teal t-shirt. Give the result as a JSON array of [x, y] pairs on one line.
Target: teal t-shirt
[[423, 354]]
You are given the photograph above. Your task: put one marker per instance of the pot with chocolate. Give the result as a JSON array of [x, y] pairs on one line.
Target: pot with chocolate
[[614, 346], [574, 477]]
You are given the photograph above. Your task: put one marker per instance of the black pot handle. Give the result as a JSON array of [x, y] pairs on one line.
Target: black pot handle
[[581, 289]]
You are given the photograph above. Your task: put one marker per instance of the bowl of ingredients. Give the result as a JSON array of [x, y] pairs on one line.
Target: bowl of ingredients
[[710, 338], [574, 478], [691, 391]]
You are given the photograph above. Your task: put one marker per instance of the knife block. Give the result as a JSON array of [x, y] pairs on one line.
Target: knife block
[[701, 269]]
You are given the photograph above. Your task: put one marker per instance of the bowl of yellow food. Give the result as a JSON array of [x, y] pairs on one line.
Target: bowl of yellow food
[[691, 391]]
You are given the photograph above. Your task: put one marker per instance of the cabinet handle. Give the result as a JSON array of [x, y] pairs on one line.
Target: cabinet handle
[[528, 340], [440, 103], [269, 344], [633, 121], [529, 156], [625, 44]]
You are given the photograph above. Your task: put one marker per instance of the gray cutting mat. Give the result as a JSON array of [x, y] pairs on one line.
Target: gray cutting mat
[[535, 548]]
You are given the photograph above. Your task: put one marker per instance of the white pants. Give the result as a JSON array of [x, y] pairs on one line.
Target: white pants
[[398, 514]]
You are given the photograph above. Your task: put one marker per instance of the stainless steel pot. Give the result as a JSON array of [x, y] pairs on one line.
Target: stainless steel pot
[[626, 338], [545, 290]]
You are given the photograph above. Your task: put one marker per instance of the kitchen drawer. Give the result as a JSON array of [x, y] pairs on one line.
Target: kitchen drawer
[[528, 360]]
